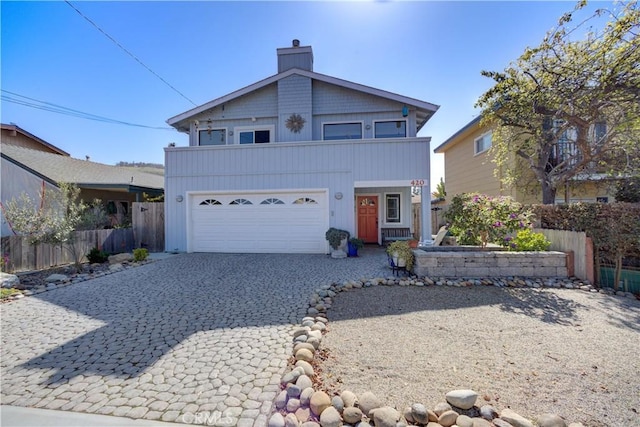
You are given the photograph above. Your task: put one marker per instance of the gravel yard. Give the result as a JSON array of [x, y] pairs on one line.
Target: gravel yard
[[562, 351]]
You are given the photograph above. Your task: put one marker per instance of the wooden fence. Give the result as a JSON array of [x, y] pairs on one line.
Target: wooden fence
[[579, 244], [437, 218], [148, 225], [25, 257]]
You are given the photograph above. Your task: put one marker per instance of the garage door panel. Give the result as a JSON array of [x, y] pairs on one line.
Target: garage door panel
[[262, 228]]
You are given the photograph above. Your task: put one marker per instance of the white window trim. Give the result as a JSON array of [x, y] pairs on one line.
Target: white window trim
[[238, 129], [226, 136], [339, 123], [475, 143], [400, 209], [406, 126]]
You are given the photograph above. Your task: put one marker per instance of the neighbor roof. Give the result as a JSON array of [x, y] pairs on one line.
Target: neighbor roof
[[18, 129], [85, 174], [441, 148], [424, 109]]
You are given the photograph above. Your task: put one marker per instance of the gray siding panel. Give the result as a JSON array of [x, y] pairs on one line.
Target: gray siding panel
[[330, 165], [294, 97]]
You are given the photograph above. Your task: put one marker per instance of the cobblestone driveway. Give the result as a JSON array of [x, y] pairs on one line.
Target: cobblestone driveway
[[196, 338]]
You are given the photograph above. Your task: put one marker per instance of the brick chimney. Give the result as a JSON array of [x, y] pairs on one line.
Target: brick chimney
[[295, 56]]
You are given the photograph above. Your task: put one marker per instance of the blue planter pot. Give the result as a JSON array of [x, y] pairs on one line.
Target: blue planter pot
[[353, 250]]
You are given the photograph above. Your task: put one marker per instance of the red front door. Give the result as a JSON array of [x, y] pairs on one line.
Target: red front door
[[368, 218]]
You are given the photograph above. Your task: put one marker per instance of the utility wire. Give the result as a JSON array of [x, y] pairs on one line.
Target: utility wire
[[18, 99], [129, 53]]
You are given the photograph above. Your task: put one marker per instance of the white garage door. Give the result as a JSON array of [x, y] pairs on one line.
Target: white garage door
[[278, 222]]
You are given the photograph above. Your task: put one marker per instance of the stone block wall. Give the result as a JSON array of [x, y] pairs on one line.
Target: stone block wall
[[483, 264]]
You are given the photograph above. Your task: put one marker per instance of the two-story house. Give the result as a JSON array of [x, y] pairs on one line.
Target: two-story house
[[270, 167], [469, 168]]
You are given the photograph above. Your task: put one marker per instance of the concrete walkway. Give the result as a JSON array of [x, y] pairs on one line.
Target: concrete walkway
[[191, 338]]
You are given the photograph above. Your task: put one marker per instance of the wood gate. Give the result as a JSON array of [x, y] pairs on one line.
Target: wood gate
[[148, 225]]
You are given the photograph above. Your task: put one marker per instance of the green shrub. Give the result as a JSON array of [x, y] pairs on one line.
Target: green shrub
[[358, 243], [95, 255], [528, 240], [140, 254]]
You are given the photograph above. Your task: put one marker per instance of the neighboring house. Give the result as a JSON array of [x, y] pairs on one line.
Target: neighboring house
[[27, 170], [270, 167], [469, 168]]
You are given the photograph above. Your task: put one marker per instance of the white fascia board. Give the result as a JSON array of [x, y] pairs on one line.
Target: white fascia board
[[388, 183]]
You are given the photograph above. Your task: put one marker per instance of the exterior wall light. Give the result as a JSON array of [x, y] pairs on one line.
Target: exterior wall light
[[338, 196], [179, 199]]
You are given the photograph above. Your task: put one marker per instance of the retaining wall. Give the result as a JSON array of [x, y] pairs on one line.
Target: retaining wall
[[483, 264]]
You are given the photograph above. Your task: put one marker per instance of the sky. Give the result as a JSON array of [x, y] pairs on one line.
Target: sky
[[198, 51]]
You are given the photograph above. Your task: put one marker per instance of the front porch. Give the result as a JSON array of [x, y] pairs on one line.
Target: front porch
[[383, 212]]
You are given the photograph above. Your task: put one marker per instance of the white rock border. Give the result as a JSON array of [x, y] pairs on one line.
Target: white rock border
[[299, 404]]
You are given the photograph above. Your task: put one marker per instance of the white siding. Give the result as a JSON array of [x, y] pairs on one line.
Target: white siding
[[332, 165]]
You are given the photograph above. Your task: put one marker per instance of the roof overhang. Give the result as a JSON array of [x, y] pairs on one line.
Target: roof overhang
[[473, 124], [18, 129]]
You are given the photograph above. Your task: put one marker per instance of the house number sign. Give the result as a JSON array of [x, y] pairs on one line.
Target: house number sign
[[418, 182]]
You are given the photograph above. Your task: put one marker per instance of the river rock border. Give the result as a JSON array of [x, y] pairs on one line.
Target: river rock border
[[302, 404], [56, 281]]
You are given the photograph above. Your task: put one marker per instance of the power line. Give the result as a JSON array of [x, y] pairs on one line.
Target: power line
[[129, 53], [16, 98]]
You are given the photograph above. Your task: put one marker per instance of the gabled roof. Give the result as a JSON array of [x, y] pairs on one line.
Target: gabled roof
[[18, 129], [424, 109], [85, 174], [441, 148]]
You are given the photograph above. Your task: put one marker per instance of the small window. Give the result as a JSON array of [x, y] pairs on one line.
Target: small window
[[483, 143], [392, 208], [392, 129], [305, 201], [335, 131], [272, 202], [212, 137], [241, 202], [255, 137], [210, 202]]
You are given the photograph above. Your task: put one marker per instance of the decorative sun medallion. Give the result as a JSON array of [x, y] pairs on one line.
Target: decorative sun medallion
[[295, 123]]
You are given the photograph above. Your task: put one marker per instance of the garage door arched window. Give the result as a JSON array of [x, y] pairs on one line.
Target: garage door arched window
[[210, 202], [241, 202], [272, 201], [305, 201]]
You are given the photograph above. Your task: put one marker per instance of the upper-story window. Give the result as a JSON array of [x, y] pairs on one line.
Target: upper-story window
[[255, 137], [482, 144], [212, 137], [334, 131], [391, 129]]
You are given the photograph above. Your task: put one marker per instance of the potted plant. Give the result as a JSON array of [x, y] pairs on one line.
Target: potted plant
[[355, 244], [338, 241], [401, 253]]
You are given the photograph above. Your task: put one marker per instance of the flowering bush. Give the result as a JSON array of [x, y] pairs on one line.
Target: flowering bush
[[478, 219]]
